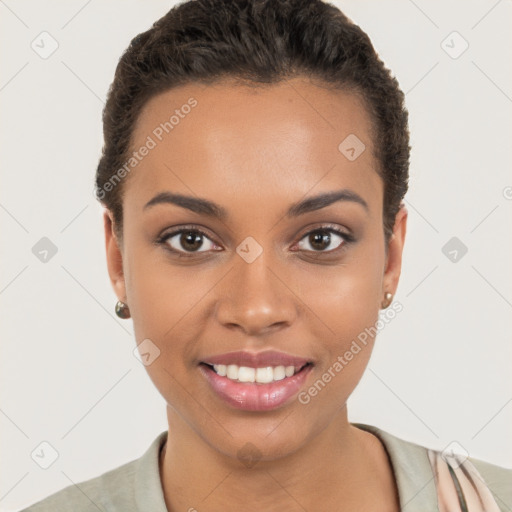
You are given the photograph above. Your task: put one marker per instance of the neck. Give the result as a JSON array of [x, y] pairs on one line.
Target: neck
[[341, 467]]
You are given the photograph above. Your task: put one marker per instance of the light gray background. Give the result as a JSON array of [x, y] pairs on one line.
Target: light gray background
[[440, 371]]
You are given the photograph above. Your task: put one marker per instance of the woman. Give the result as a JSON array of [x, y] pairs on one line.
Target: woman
[[256, 158]]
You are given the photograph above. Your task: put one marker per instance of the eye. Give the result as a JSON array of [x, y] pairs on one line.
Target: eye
[[187, 241], [323, 238]]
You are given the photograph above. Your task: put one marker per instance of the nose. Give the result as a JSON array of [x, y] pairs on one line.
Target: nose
[[256, 298]]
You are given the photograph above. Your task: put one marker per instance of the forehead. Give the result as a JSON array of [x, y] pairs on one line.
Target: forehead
[[277, 141]]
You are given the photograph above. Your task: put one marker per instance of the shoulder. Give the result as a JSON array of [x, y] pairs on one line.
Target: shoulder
[[134, 485], [425, 474], [479, 484], [498, 479], [113, 488]]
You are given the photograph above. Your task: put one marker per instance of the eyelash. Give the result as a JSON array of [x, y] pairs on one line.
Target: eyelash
[[329, 228]]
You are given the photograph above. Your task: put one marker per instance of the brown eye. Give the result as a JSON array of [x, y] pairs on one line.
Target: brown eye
[[322, 239], [188, 241], [191, 240]]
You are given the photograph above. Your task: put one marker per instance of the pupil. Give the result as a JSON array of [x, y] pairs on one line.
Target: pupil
[[192, 239], [320, 239]]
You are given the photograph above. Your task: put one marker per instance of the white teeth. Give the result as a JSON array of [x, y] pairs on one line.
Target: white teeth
[[232, 371], [261, 375], [221, 369], [279, 373], [246, 374], [265, 375]]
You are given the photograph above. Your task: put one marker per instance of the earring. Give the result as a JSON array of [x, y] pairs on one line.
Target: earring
[[387, 300], [122, 310]]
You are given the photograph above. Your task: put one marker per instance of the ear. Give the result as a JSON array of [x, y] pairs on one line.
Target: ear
[[114, 257], [395, 249]]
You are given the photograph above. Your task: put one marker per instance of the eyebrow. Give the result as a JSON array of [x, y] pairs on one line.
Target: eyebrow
[[211, 209]]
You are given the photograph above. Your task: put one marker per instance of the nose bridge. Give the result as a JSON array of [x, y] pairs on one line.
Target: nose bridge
[[254, 297]]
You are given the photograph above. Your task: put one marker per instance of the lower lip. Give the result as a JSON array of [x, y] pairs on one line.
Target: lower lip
[[251, 396]]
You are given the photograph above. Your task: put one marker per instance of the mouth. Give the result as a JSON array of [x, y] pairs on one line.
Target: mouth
[[256, 388], [261, 375]]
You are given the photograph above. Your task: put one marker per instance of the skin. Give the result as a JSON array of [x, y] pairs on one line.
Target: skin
[[256, 152]]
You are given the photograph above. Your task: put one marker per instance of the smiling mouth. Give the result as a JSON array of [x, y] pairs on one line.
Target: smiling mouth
[[260, 375], [256, 388]]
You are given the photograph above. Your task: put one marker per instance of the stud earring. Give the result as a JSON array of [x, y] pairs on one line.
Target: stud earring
[[122, 310], [388, 296]]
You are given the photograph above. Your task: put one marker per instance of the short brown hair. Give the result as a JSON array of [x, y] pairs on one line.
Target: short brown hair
[[260, 42]]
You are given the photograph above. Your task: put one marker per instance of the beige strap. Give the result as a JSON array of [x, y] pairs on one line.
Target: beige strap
[[460, 487]]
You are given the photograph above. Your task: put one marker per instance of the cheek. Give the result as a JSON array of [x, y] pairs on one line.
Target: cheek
[[348, 305], [161, 306], [346, 297], [165, 303], [159, 294]]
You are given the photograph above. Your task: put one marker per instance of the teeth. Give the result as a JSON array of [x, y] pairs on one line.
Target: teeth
[[246, 374], [264, 375], [232, 372], [289, 371], [221, 369], [279, 373], [260, 375]]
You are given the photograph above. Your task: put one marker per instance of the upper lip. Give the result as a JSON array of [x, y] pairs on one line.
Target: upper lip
[[257, 359]]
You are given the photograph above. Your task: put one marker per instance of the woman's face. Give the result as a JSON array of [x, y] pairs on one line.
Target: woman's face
[[268, 274]]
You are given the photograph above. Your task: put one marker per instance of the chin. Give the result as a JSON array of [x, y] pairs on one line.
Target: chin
[[257, 440]]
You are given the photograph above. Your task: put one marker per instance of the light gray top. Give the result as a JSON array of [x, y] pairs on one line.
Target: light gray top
[[136, 487]]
